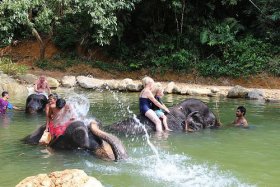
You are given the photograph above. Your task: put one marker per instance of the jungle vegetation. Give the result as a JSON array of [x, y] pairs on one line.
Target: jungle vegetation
[[212, 37]]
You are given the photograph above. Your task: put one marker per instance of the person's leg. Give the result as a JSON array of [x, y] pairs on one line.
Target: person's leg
[[164, 121], [154, 118]]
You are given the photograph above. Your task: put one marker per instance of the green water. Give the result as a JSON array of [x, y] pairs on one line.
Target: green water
[[225, 157]]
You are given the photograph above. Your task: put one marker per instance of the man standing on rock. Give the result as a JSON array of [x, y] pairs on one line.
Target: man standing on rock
[[4, 104], [41, 86], [240, 120]]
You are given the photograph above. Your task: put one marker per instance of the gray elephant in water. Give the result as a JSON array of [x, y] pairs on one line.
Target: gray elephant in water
[[192, 112], [35, 103], [77, 135]]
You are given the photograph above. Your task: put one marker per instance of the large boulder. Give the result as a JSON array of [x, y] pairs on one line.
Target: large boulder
[[28, 78], [68, 81], [89, 82], [9, 84], [68, 177], [172, 88], [124, 83], [53, 83], [237, 92], [256, 94]]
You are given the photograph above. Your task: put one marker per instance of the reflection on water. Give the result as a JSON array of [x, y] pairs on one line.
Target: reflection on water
[[225, 157]]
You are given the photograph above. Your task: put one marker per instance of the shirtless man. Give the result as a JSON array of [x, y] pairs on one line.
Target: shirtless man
[[41, 86], [240, 120]]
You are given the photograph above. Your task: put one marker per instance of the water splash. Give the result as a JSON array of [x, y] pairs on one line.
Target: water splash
[[131, 113]]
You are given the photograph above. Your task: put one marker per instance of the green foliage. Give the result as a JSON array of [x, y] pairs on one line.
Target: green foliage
[[49, 13], [66, 36], [59, 62], [10, 68], [273, 66], [180, 61], [240, 59], [109, 66], [222, 33]]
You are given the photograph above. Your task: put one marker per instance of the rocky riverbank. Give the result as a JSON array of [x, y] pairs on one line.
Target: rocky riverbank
[[22, 86]]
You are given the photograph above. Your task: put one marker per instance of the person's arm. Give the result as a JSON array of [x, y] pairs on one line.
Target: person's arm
[[10, 106], [48, 115], [36, 87], [16, 108], [48, 88], [153, 99], [245, 123]]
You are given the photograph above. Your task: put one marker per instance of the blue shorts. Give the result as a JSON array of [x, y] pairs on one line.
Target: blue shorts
[[159, 113]]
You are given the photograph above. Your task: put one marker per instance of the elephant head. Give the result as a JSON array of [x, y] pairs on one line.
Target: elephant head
[[198, 115], [35, 103], [78, 135]]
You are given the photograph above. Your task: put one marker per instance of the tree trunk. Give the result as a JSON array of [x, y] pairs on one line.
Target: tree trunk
[[41, 43]]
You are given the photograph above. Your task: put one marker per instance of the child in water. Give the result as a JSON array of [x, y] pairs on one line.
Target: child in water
[[158, 111]]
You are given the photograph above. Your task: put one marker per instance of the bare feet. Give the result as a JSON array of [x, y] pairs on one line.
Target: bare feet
[[167, 129]]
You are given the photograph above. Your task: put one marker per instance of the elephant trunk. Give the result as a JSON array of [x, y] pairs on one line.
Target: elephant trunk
[[116, 145], [195, 125]]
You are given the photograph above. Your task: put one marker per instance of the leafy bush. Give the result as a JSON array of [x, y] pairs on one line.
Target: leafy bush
[[211, 67], [241, 58], [179, 60], [10, 68], [273, 66], [108, 66], [66, 36]]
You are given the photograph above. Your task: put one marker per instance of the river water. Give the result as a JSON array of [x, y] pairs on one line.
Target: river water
[[225, 157]]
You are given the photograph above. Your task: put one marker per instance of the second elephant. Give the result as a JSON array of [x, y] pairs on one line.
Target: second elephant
[[191, 111]]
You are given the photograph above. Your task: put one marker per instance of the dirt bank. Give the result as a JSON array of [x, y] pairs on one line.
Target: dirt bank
[[26, 52]]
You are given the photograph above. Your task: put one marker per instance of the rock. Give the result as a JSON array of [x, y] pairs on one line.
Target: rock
[[88, 82], [214, 90], [256, 94], [124, 83], [14, 89], [111, 84], [199, 91], [68, 177], [28, 78], [134, 87], [237, 92], [53, 83], [68, 81], [172, 88], [184, 91]]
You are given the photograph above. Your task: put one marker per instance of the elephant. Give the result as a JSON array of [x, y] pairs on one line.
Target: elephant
[[79, 136], [192, 111], [35, 103]]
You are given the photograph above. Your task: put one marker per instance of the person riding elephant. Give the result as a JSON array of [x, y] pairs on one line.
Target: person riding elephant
[[78, 135], [70, 130], [191, 112]]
